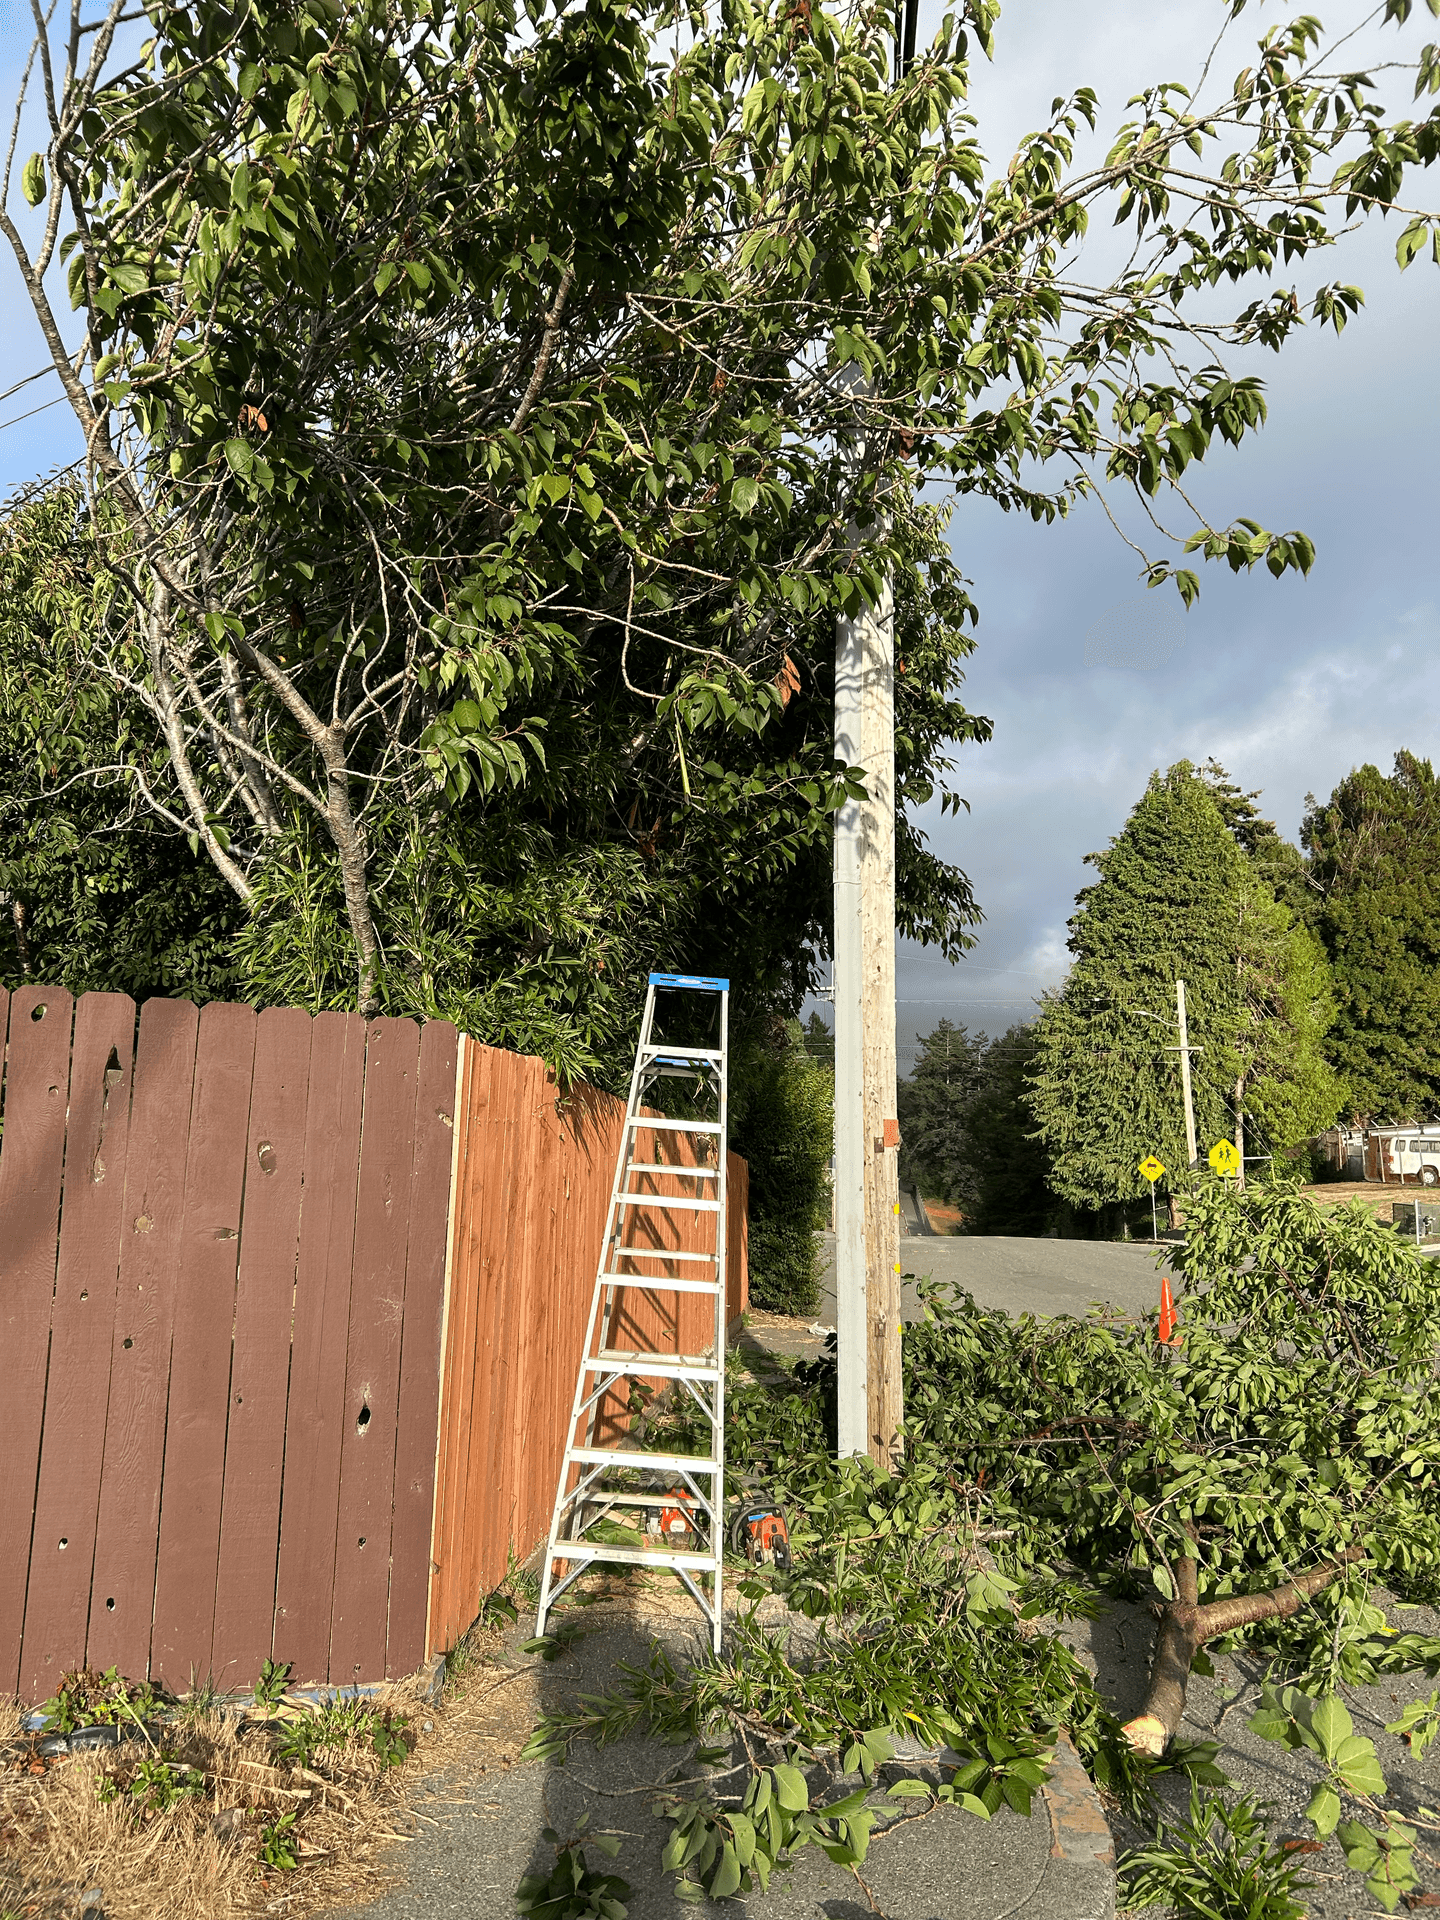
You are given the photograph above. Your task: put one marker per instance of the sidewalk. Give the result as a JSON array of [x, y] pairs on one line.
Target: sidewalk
[[481, 1830]]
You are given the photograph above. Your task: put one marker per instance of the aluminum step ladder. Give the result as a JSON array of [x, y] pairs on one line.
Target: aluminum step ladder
[[607, 1490]]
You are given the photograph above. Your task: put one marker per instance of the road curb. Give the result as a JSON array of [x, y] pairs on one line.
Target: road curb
[[1079, 1878]]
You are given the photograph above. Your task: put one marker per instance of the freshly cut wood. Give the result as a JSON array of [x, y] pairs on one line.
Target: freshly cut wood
[[1185, 1626]]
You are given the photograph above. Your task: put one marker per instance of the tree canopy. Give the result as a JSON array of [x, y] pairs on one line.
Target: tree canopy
[[487, 416], [1177, 898], [1374, 850]]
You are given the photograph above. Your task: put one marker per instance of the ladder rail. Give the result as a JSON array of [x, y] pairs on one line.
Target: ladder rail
[[604, 1366]]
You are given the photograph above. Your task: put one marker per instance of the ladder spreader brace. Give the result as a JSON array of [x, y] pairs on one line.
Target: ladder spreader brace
[[611, 1486]]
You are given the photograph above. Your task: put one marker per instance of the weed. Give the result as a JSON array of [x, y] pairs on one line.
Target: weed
[[1216, 1865], [559, 1640], [87, 1699], [280, 1844], [269, 1689], [154, 1786], [573, 1890], [339, 1721]]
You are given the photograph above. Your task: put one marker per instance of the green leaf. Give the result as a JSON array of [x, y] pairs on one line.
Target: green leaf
[[790, 1789], [1331, 1724], [743, 495], [727, 1874], [241, 457], [1323, 1810], [32, 179]]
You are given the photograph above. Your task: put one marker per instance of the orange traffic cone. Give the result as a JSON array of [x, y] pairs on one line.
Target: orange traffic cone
[[1168, 1321]]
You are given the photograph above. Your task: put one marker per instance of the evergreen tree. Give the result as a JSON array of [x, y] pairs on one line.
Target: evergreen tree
[[1011, 1166], [1374, 851], [1177, 897], [932, 1107]]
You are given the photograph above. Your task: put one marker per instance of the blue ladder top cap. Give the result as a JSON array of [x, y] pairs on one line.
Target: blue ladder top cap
[[689, 980]]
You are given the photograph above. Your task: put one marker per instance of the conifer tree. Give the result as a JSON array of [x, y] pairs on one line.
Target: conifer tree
[[1374, 851], [932, 1105], [1177, 897]]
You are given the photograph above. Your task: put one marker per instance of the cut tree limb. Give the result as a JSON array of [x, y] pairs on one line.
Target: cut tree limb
[[1185, 1626]]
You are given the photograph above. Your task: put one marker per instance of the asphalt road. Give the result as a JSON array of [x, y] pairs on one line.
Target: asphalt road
[[1022, 1276]]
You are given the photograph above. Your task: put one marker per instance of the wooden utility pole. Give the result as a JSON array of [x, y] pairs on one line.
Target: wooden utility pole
[[867, 1184], [1185, 1051]]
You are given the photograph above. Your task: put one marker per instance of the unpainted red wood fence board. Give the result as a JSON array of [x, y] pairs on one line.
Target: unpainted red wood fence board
[[182, 1645], [152, 1216], [260, 1367], [534, 1399], [377, 1304], [502, 1305], [485, 1177], [558, 1297], [315, 1416], [454, 1384], [32, 1148], [420, 1355], [82, 1329], [456, 1417]]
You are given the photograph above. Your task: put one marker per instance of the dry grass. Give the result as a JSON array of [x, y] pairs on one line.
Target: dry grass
[[82, 1821]]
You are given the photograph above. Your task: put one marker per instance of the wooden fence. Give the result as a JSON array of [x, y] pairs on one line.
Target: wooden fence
[[241, 1254], [532, 1185]]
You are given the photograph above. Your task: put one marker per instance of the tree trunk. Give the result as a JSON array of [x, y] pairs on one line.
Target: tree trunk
[[349, 840], [1185, 1626], [20, 914]]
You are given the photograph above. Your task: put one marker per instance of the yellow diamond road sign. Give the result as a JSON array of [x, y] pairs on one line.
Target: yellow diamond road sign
[[1151, 1168], [1225, 1159]]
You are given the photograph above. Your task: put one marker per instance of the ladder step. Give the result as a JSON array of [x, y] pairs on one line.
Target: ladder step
[[659, 1253], [682, 1202], [659, 1283], [679, 1056], [659, 1166], [670, 1366], [661, 1462], [632, 1556], [662, 1125]]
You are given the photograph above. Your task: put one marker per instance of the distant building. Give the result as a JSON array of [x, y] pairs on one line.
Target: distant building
[[1395, 1156]]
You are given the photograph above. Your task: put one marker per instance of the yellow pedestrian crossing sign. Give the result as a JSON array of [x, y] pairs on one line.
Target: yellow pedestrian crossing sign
[[1225, 1159], [1151, 1168]]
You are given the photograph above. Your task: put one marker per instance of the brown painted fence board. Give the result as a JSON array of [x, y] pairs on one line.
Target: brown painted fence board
[[182, 1645], [126, 1528], [82, 1330], [420, 1356], [260, 1370], [305, 1581], [372, 1374], [37, 1077]]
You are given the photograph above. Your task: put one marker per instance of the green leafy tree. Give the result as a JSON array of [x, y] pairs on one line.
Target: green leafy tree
[[1265, 1483], [782, 1120], [1177, 898], [96, 900], [1374, 850], [487, 418]]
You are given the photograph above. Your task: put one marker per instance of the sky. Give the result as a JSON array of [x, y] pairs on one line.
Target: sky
[[1289, 684]]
